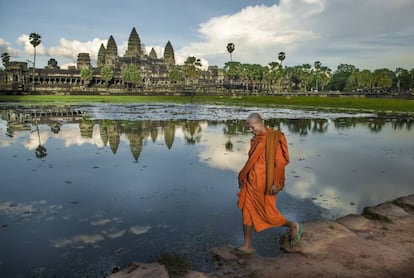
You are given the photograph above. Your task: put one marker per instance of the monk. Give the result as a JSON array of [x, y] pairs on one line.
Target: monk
[[260, 180]]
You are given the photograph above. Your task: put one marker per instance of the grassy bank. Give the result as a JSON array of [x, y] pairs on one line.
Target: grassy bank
[[320, 103]]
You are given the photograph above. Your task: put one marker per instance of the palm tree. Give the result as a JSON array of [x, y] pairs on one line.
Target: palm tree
[[192, 71], [317, 66], [5, 57], [281, 56], [230, 49], [40, 151], [35, 41]]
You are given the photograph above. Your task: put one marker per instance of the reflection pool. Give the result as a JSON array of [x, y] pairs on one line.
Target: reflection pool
[[81, 193]]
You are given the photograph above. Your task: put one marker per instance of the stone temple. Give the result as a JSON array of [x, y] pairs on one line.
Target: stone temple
[[154, 71]]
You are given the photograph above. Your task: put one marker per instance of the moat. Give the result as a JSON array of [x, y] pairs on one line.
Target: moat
[[120, 183]]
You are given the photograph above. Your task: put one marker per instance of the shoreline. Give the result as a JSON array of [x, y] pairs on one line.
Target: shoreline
[[377, 243]]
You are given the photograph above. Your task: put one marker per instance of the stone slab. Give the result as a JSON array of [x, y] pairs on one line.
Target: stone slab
[[354, 222], [139, 270]]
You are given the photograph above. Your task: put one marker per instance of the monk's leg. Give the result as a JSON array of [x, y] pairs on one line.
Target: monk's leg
[[247, 232]]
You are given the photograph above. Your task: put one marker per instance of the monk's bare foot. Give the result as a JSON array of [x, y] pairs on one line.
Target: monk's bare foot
[[296, 236], [294, 229]]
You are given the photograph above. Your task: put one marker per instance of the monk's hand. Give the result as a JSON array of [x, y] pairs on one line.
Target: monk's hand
[[274, 189]]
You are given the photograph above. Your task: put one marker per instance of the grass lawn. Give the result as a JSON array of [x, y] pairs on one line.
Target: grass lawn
[[300, 102]]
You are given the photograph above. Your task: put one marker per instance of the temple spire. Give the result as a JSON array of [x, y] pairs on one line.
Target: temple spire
[[134, 45], [169, 54]]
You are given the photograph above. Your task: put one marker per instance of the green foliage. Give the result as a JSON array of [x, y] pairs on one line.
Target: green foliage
[[340, 78], [34, 39], [131, 75], [382, 79], [107, 73], [192, 69], [5, 57], [233, 70], [175, 75], [86, 74], [329, 103], [281, 56]]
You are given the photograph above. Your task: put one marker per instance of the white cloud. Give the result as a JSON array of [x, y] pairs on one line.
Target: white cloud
[[71, 48], [5, 47], [370, 34], [28, 48]]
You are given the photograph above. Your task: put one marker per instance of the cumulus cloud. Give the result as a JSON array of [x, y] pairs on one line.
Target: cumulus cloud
[[28, 48], [372, 32], [369, 34], [5, 47], [71, 48]]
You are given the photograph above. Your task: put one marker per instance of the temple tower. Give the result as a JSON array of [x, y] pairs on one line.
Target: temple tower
[[153, 54], [169, 54], [134, 45], [101, 56], [84, 61], [111, 53]]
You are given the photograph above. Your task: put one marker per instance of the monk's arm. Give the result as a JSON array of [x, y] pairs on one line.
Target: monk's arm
[[282, 159]]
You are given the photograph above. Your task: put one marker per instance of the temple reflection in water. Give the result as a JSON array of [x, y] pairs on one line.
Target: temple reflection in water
[[140, 131]]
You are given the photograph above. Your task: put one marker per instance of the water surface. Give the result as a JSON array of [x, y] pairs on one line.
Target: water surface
[[125, 183]]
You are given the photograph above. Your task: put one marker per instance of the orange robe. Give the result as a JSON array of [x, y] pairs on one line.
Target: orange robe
[[257, 206]]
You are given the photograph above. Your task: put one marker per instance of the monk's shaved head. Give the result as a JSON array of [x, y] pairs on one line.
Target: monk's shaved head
[[255, 123], [255, 117]]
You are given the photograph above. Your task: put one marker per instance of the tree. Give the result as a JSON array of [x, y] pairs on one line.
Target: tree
[[317, 66], [404, 79], [230, 49], [340, 77], [175, 76], [273, 75], [324, 77], [5, 57], [233, 70], [131, 75], [34, 39], [86, 75], [281, 56], [252, 74], [382, 79], [107, 73], [191, 72], [192, 69]]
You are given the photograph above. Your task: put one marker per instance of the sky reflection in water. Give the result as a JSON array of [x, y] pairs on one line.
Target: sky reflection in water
[[110, 191]]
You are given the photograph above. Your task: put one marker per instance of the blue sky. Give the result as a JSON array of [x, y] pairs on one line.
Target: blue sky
[[369, 34]]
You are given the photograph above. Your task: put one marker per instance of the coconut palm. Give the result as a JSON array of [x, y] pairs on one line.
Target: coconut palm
[[34, 39], [230, 49]]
